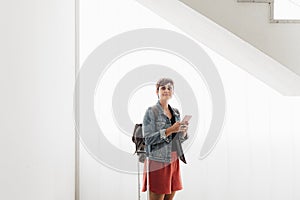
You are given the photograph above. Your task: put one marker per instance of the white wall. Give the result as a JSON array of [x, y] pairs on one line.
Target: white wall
[[37, 79], [258, 154]]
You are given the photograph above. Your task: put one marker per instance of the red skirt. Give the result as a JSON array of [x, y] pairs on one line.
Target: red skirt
[[164, 178]]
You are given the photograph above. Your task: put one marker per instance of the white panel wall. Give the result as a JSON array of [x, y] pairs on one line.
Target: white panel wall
[[258, 154], [36, 117]]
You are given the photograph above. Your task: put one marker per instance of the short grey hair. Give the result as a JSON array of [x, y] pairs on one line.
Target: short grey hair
[[164, 81]]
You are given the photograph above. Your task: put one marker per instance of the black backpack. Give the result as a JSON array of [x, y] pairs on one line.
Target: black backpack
[[139, 140]]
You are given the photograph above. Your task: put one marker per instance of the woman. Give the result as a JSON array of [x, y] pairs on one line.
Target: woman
[[163, 134]]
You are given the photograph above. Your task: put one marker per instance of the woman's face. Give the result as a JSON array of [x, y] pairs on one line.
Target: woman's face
[[165, 92]]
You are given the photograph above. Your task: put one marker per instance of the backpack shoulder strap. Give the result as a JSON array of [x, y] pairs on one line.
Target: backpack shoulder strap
[[155, 111]]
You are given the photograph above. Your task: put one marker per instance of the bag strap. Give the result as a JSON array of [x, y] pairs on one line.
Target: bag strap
[[155, 111]]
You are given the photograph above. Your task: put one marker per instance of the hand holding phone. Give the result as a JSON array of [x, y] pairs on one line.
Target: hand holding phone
[[186, 119], [179, 126], [185, 122]]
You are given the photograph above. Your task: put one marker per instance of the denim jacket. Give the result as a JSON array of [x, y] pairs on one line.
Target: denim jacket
[[158, 145]]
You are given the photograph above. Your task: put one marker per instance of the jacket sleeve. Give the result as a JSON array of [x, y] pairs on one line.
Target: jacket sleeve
[[152, 136]]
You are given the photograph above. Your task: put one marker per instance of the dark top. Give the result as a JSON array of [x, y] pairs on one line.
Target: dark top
[[174, 148]]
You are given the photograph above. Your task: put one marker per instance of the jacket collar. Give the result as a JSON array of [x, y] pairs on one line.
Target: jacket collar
[[161, 111]]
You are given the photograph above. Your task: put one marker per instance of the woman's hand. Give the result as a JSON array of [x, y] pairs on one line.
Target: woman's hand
[[184, 128], [177, 127]]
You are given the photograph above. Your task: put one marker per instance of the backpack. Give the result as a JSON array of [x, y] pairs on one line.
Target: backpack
[[139, 140]]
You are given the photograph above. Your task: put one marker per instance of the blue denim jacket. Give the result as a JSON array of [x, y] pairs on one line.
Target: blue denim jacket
[[158, 145]]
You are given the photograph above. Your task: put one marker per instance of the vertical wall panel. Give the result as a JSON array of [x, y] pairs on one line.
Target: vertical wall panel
[[36, 84]]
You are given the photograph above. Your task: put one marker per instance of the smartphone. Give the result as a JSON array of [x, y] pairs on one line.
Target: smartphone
[[186, 118]]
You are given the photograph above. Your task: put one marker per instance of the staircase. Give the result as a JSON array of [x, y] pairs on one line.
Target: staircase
[[241, 33], [251, 22]]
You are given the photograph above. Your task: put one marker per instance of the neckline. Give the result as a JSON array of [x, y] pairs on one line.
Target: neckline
[[171, 111]]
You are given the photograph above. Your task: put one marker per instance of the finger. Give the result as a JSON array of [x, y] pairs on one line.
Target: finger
[[183, 128]]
